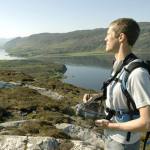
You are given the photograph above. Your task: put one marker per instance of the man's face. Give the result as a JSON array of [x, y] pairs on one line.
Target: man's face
[[112, 42]]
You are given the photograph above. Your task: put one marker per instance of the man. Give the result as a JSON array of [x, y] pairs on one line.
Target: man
[[121, 36]]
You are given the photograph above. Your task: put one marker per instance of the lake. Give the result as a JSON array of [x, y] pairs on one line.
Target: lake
[[90, 72], [87, 72], [88, 77], [5, 56]]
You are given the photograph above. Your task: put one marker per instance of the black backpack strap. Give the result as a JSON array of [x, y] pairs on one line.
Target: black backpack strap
[[106, 83], [129, 58], [145, 141], [129, 98], [137, 64], [131, 67], [110, 114]]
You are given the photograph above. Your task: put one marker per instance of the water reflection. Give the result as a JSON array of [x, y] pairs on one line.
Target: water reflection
[[104, 61], [88, 77], [90, 72]]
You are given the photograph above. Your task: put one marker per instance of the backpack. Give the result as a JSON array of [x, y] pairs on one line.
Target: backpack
[[130, 102], [131, 67], [84, 110]]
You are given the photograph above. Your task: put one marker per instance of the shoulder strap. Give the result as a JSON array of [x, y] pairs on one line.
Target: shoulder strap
[[147, 62], [145, 141], [130, 100], [129, 58], [137, 64], [131, 67]]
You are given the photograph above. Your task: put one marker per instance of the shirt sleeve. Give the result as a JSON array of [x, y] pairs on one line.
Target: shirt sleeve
[[138, 86]]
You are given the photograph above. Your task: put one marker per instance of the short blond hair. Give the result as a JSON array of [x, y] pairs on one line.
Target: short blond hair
[[127, 26]]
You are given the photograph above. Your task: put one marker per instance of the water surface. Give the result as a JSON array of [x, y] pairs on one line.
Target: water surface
[[5, 56], [88, 77]]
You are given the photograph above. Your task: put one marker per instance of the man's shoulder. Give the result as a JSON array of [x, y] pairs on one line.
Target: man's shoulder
[[137, 70], [137, 67]]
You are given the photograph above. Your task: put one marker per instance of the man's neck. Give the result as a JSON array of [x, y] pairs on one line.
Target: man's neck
[[122, 52]]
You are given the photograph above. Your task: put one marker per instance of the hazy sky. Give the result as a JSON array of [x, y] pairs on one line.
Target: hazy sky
[[25, 17]]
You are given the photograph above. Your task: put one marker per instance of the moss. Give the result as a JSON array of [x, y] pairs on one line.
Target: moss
[[21, 103], [36, 128], [66, 145], [12, 75]]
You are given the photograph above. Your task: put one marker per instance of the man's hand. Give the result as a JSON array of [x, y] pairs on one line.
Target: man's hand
[[102, 123], [87, 98]]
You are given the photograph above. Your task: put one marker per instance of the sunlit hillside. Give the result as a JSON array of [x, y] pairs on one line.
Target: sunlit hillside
[[45, 44]]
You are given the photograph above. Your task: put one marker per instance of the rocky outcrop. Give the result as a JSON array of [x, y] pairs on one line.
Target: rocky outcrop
[[83, 134], [28, 143], [41, 143], [80, 145], [42, 91], [12, 142], [46, 92], [81, 138], [14, 123]]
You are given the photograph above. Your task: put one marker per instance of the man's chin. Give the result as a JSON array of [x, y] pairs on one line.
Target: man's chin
[[108, 50]]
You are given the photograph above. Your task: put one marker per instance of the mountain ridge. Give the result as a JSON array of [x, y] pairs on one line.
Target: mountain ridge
[[44, 44]]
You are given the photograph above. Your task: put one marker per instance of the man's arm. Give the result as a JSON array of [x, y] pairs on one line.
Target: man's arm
[[140, 124]]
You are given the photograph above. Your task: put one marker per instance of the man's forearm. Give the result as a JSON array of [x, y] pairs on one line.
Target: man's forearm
[[133, 125]]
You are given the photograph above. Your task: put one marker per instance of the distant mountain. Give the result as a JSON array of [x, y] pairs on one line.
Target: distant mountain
[[45, 44], [3, 41], [143, 43]]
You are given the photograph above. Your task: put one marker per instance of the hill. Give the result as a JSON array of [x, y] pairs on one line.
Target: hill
[[45, 44], [3, 41]]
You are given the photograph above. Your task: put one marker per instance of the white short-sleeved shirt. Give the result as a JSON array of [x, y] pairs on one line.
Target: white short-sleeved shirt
[[138, 85]]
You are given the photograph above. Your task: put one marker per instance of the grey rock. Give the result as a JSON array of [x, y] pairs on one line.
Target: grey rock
[[12, 142], [28, 143], [12, 123], [42, 91], [46, 92], [42, 143], [80, 145], [8, 142], [83, 134]]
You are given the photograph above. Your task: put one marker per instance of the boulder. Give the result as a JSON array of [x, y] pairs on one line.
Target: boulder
[[80, 145], [42, 143], [82, 134], [12, 142], [28, 143]]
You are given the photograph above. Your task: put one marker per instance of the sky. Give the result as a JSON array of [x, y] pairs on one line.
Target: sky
[[26, 17]]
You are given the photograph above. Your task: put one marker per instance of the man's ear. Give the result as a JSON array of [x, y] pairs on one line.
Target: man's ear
[[122, 37]]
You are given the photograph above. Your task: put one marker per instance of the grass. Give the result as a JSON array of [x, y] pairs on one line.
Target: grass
[[22, 103]]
